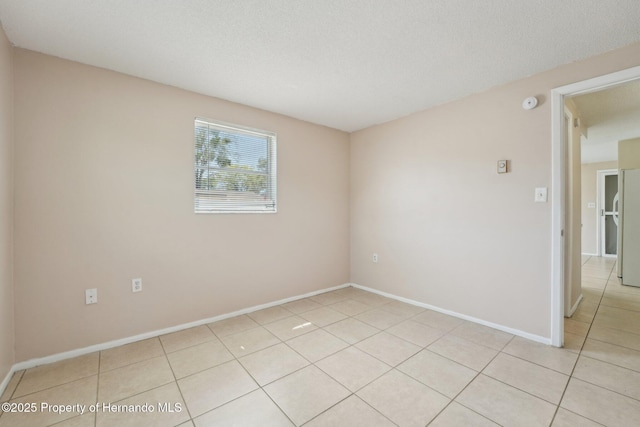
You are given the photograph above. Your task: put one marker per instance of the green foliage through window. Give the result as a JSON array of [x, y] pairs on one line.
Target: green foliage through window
[[234, 168]]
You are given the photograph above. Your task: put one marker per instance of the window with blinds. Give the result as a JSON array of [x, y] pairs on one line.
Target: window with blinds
[[235, 169]]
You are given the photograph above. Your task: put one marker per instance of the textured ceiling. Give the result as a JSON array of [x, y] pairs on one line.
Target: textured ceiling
[[346, 64]]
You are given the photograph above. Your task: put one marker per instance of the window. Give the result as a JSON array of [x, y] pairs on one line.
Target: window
[[235, 169]]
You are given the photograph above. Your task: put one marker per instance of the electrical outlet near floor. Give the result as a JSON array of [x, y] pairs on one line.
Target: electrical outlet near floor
[[375, 258], [91, 296], [136, 285]]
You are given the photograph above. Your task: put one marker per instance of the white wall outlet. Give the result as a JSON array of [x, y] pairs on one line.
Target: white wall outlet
[[136, 285], [591, 205], [541, 194], [91, 296], [375, 258]]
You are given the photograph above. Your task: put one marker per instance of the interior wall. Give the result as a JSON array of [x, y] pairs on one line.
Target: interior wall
[[6, 207], [590, 216], [104, 194], [448, 229], [629, 153]]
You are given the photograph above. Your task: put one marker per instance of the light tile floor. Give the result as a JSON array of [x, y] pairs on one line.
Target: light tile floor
[[352, 358]]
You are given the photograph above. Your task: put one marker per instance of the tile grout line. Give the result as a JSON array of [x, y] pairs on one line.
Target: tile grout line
[[580, 353], [53, 386], [175, 379], [351, 393], [95, 418], [260, 387], [14, 389], [237, 359], [581, 416], [604, 387], [310, 364], [327, 356], [354, 393], [467, 385], [17, 385], [616, 345], [145, 391]]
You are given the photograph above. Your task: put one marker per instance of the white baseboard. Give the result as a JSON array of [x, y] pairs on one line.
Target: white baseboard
[[527, 335], [116, 343], [575, 306], [586, 254]]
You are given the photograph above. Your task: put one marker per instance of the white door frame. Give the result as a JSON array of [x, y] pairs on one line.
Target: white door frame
[[568, 244], [600, 238], [558, 170]]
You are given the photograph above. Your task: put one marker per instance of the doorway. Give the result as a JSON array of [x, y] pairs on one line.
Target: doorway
[[559, 191]]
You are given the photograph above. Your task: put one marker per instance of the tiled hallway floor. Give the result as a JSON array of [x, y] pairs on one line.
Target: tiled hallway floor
[[353, 358]]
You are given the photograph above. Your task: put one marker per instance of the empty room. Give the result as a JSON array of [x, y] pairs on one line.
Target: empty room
[[319, 213]]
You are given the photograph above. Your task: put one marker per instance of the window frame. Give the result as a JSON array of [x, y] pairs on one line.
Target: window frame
[[271, 173]]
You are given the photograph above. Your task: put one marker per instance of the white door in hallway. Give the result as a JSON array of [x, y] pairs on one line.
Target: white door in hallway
[[608, 201]]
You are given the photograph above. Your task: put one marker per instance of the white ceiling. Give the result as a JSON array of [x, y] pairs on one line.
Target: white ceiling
[[346, 64], [609, 115]]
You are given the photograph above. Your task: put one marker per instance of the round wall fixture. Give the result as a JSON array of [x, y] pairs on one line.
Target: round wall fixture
[[530, 103]]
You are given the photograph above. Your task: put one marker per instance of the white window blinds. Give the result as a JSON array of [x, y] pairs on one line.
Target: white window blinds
[[234, 168]]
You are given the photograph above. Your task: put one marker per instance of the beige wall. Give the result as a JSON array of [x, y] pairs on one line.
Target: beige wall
[[104, 193], [590, 195], [629, 153], [449, 230], [6, 207]]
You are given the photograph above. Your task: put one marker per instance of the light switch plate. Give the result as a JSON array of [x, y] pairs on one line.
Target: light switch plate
[[502, 166], [91, 296], [541, 194]]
